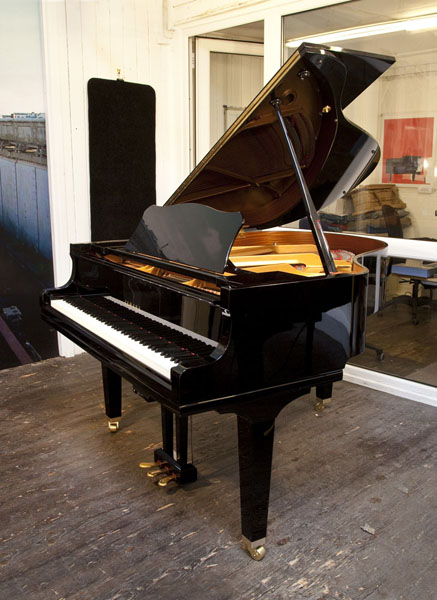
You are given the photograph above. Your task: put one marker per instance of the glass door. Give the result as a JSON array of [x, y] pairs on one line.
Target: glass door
[[398, 201]]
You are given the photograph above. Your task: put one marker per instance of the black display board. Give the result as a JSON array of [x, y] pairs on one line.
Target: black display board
[[121, 156]]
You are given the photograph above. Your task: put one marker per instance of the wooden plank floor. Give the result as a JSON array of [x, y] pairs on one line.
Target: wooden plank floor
[[352, 512], [409, 350]]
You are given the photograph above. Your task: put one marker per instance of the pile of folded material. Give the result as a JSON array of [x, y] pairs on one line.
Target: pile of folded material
[[367, 202]]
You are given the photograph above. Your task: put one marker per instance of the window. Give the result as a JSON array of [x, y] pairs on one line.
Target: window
[[399, 198]]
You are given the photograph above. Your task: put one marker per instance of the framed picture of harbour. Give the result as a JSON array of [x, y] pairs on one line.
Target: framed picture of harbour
[[407, 157]]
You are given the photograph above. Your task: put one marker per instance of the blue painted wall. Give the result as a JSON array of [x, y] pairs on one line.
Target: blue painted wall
[[24, 203]]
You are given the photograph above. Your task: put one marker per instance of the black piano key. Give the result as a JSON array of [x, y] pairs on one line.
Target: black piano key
[[156, 336]]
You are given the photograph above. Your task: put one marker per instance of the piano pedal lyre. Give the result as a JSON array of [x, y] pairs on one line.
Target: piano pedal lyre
[[159, 469], [113, 426]]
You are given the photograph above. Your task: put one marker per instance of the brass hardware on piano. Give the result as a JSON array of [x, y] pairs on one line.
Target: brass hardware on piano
[[257, 552], [163, 473], [164, 481], [209, 305], [156, 472], [113, 426]]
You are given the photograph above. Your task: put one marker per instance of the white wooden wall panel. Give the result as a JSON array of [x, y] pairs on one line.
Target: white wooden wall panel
[[93, 39], [58, 123], [78, 115], [273, 47]]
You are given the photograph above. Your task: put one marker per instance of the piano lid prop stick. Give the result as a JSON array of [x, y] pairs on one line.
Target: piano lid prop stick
[[313, 218]]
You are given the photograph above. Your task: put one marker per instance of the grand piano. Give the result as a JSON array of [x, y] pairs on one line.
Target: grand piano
[[210, 305], [405, 165]]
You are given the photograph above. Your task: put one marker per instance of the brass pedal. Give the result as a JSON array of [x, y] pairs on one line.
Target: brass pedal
[[164, 481], [157, 472], [148, 465]]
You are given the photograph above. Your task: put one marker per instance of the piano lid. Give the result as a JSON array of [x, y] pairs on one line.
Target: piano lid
[[249, 169]]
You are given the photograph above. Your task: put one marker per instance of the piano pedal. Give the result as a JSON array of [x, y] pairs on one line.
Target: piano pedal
[[182, 472], [157, 472], [148, 465], [113, 426], [164, 481]]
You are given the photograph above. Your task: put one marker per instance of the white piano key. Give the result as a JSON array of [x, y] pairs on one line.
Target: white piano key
[[146, 356]]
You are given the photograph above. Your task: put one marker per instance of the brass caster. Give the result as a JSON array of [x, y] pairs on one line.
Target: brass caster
[[319, 406], [257, 553], [113, 426]]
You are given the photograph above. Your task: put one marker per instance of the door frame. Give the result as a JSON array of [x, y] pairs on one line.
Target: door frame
[[203, 48]]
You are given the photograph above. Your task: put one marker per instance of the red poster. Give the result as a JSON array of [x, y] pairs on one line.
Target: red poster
[[407, 150]]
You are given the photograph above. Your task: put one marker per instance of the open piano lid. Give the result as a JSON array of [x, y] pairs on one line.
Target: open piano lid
[[249, 170]]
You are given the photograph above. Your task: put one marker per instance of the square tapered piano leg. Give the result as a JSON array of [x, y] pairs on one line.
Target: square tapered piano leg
[[112, 394], [255, 446]]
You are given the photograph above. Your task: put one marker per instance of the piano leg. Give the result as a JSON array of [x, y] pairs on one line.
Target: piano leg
[[323, 396], [167, 430], [182, 439], [255, 446], [174, 459], [112, 394]]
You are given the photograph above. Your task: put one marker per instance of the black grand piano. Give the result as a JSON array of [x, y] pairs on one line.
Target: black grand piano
[[208, 306], [405, 165]]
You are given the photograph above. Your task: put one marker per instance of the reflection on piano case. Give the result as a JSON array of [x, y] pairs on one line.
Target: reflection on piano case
[[203, 310]]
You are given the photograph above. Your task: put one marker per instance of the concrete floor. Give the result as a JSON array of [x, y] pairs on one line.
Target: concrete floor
[[352, 510]]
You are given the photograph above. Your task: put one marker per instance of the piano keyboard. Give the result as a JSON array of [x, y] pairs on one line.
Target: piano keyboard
[[153, 342]]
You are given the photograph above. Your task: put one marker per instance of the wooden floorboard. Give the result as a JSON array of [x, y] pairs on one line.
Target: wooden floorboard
[[352, 510], [409, 349]]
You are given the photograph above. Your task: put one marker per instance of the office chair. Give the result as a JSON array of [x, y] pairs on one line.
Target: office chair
[[392, 221], [416, 276]]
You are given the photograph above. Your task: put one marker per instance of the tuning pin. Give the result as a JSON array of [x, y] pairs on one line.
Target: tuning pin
[[166, 480]]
